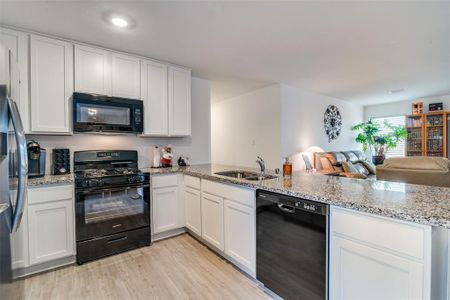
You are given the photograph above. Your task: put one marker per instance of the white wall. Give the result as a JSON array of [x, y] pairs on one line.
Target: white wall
[[246, 126], [196, 146], [275, 122], [402, 107], [302, 122]]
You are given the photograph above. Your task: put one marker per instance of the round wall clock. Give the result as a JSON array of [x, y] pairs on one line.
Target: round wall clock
[[332, 122]]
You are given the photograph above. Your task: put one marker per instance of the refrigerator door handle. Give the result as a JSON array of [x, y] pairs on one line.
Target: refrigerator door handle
[[22, 161]]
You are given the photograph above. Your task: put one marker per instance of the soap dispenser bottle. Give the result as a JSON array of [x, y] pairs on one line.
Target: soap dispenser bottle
[[287, 167]]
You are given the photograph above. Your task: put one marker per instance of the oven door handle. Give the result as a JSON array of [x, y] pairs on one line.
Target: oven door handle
[[125, 188]]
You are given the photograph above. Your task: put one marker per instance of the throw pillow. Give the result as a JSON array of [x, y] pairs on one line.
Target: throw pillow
[[349, 167], [369, 166], [361, 169]]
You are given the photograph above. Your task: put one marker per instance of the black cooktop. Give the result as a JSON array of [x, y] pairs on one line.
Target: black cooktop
[[107, 168]]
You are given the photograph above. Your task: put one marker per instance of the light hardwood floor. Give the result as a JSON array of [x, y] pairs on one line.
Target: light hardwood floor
[[175, 268]]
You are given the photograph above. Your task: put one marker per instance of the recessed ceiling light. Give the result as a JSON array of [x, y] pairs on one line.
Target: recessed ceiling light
[[119, 22], [396, 91]]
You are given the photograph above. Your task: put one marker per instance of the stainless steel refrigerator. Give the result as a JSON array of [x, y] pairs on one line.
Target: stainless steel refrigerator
[[13, 171]]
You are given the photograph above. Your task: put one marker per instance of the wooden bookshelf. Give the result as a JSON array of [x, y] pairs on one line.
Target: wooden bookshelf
[[435, 134], [415, 141], [427, 134]]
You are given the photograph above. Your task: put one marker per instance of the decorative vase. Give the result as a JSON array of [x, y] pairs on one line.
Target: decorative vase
[[378, 159]]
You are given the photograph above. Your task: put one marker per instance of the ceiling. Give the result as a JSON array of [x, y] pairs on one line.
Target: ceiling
[[356, 51]]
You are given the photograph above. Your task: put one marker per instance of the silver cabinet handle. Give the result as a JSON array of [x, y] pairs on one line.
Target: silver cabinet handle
[[286, 208], [22, 161]]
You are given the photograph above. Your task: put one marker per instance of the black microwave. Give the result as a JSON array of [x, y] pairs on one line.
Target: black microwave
[[103, 114]]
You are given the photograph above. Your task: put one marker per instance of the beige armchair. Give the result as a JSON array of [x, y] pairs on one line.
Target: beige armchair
[[417, 170]]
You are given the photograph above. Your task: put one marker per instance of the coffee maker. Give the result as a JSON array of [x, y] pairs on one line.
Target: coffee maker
[[36, 159]]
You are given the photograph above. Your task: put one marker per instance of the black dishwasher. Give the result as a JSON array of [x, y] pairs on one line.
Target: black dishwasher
[[292, 246]]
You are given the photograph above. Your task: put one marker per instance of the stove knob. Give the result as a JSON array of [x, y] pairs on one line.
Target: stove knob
[[132, 179], [100, 182]]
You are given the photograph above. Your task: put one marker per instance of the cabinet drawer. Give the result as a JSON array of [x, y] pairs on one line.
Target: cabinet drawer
[[113, 244], [398, 236], [193, 182], [164, 181], [48, 194], [241, 195]]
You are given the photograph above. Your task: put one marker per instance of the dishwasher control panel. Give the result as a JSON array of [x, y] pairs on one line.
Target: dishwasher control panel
[[297, 203]]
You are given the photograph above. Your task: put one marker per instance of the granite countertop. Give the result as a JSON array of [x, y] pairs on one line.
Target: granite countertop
[[50, 180], [416, 203]]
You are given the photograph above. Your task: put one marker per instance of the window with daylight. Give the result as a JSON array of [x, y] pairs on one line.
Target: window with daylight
[[400, 150]]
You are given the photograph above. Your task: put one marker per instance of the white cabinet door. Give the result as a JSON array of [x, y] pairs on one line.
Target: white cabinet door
[[212, 220], [192, 200], [51, 84], [92, 70], [240, 233], [165, 209], [126, 76], [19, 240], [179, 101], [362, 272], [154, 95], [51, 231], [17, 42]]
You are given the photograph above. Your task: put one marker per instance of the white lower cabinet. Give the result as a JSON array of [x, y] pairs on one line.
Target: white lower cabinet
[[165, 203], [165, 209], [50, 231], [51, 223], [240, 233], [212, 220], [374, 257], [19, 240], [229, 222], [193, 216], [362, 272]]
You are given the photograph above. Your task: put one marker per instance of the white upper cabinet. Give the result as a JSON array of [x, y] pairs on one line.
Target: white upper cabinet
[[125, 76], [92, 70], [51, 84], [17, 42], [179, 101], [154, 95]]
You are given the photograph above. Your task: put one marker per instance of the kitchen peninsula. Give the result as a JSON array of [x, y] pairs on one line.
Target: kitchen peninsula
[[399, 231]]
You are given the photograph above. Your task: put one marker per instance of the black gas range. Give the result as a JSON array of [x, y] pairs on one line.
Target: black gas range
[[112, 203]]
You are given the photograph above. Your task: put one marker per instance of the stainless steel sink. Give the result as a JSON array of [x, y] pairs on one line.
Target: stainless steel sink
[[237, 174], [260, 177], [253, 176]]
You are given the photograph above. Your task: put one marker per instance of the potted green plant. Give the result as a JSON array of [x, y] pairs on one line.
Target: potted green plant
[[371, 137]]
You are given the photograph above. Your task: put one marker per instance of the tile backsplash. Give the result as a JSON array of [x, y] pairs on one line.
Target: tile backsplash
[[144, 146]]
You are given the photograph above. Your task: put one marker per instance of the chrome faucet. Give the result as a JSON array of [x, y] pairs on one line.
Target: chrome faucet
[[261, 164]]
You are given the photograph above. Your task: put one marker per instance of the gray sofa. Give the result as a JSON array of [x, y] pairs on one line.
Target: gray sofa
[[331, 163]]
